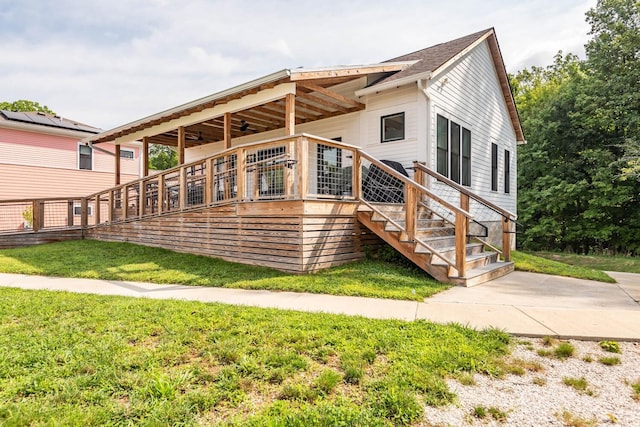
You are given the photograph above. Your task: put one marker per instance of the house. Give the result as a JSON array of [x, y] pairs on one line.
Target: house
[[41, 156], [304, 169]]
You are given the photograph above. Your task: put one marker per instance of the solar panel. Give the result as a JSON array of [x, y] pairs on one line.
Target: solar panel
[[47, 120]]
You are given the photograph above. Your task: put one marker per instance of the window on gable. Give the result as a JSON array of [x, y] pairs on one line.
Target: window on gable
[[126, 154], [507, 171], [85, 157], [453, 157], [392, 127], [494, 167]]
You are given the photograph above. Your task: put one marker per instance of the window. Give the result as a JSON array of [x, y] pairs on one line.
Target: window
[[126, 154], [85, 157], [494, 167], [453, 157], [507, 171], [392, 127], [77, 210]]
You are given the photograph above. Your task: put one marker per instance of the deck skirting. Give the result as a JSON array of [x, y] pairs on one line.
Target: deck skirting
[[296, 236]]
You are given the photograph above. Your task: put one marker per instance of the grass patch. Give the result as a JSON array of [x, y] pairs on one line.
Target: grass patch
[[74, 359], [570, 419], [537, 263], [483, 412], [564, 350], [610, 346], [636, 389], [600, 262], [578, 384], [125, 261], [610, 361]]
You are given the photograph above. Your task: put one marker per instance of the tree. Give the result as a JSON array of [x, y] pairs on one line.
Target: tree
[[162, 157], [581, 120], [24, 105]]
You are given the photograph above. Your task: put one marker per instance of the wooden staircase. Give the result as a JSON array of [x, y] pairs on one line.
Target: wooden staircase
[[433, 247]]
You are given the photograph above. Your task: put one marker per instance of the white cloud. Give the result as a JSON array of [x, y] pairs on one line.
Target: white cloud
[[111, 63]]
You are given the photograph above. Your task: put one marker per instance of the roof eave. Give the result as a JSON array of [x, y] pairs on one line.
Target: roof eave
[[394, 83], [204, 100]]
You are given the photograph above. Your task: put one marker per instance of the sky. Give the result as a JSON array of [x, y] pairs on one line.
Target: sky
[[108, 63]]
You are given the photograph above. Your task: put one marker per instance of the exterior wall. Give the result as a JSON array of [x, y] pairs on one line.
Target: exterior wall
[[34, 164], [295, 236], [469, 93]]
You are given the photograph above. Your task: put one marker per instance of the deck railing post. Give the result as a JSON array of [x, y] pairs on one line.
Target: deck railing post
[[36, 217], [506, 239], [461, 243], [241, 174], [124, 197], [160, 193], [356, 175], [411, 207], [98, 204], [290, 170], [182, 188], [112, 207], [303, 169], [418, 175], [70, 213], [208, 181], [84, 213], [142, 199]]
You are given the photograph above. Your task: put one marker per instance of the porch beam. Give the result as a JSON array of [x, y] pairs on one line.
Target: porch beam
[[326, 92], [348, 71], [290, 114], [317, 100]]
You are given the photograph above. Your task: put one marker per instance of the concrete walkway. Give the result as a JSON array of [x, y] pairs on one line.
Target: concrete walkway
[[520, 303]]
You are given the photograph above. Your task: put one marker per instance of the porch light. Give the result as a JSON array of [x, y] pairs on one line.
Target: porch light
[[244, 126]]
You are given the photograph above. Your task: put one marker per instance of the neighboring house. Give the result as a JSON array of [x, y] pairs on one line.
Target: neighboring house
[[292, 170], [41, 156]]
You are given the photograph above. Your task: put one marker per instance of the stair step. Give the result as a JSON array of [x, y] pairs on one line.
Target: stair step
[[475, 260], [484, 274]]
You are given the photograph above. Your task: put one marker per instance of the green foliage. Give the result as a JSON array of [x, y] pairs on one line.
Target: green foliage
[[73, 359], [26, 106], [610, 361], [547, 265], [610, 346], [579, 384], [636, 389], [162, 157], [599, 262], [578, 186], [124, 261], [564, 350], [483, 412]]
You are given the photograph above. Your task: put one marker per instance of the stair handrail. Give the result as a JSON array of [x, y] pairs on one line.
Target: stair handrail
[[507, 216], [411, 202]]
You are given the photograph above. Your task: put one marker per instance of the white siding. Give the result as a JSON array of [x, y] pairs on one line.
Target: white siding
[[469, 93]]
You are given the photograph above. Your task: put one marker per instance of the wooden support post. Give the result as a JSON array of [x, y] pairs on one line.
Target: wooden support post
[[356, 175], [70, 213], [418, 175], [36, 217], [117, 165], [506, 239], [181, 142], [461, 243], [145, 156], [464, 202], [290, 169], [290, 114], [182, 188], [111, 206], [303, 167], [411, 207], [124, 201], [241, 174], [208, 182], [84, 213], [161, 198], [98, 205], [142, 200], [227, 130]]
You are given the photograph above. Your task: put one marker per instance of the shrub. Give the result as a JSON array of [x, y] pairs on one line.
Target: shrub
[[610, 346]]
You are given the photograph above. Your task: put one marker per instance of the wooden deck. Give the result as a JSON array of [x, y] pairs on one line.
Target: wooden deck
[[297, 204]]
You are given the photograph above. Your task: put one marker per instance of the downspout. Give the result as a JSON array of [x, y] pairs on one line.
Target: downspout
[[422, 86]]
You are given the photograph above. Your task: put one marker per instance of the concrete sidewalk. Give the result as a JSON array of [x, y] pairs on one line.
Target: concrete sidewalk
[[520, 303]]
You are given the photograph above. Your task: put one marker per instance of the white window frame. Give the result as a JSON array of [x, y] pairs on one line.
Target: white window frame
[[463, 127], [78, 156], [384, 140], [128, 150], [77, 210]]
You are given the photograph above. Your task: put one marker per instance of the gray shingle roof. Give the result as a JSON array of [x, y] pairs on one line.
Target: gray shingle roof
[[432, 58], [48, 120]]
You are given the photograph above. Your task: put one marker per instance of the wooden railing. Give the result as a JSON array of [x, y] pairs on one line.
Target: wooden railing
[[483, 209], [386, 189], [42, 214]]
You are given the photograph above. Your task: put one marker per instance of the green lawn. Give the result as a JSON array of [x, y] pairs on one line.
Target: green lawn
[[538, 264], [125, 261], [601, 262], [76, 360]]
